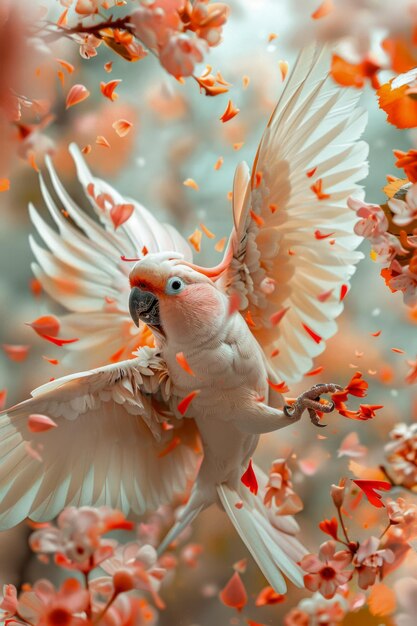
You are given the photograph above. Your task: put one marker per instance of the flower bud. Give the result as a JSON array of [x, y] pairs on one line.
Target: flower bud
[[338, 493]]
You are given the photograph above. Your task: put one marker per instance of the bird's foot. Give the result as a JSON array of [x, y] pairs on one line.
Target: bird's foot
[[310, 400]]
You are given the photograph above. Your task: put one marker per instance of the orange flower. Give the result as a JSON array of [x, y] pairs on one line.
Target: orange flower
[[407, 161], [354, 75], [399, 100]]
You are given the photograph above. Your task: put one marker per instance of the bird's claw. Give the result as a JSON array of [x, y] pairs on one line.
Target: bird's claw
[[310, 400]]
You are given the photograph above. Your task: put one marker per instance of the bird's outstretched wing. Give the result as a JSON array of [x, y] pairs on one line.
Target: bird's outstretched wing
[[116, 443], [80, 265], [292, 251]]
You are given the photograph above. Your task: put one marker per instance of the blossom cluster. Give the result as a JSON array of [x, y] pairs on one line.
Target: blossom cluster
[[79, 543], [178, 32], [392, 231]]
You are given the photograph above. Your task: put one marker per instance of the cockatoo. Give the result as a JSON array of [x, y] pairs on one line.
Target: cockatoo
[[215, 343]]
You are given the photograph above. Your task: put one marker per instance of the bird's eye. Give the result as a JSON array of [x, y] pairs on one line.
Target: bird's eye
[[174, 285]]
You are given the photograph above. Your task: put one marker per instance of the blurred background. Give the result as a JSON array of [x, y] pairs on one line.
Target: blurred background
[[177, 135]]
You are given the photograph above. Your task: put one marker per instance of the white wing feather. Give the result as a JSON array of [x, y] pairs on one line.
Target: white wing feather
[[109, 446], [79, 266], [312, 138]]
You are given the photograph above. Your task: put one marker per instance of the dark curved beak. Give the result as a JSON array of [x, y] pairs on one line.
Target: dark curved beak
[[144, 306]]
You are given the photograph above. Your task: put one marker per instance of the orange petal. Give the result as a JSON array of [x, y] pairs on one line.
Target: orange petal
[[190, 182], [76, 94], [40, 423], [16, 353], [185, 403], [120, 213], [182, 361], [283, 67], [279, 387], [195, 239], [122, 127], [312, 334], [102, 141], [249, 479], [207, 232], [317, 188], [230, 112], [45, 325], [66, 65], [219, 247], [107, 89], [324, 9], [234, 593], [4, 184], [218, 163]]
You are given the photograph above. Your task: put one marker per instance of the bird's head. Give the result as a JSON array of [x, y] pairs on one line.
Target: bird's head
[[175, 300]]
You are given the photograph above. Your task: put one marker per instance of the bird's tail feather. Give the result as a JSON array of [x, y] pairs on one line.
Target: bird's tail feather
[[275, 550]]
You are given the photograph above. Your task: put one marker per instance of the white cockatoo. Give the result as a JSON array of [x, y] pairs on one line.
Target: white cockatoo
[[127, 433]]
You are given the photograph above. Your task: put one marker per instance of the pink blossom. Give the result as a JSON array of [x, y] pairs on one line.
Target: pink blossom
[[403, 517], [279, 490], [401, 453], [44, 605], [8, 605], [326, 571], [155, 22], [180, 53], [77, 541], [207, 20], [132, 567], [373, 224], [88, 45], [368, 561], [405, 211], [406, 281]]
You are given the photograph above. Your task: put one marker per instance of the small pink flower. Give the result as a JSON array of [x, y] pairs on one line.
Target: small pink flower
[[279, 490], [326, 571], [132, 567], [180, 53], [8, 605], [78, 542], [406, 282], [401, 453], [405, 211], [403, 517], [156, 22], [88, 45], [44, 605], [373, 223], [368, 561]]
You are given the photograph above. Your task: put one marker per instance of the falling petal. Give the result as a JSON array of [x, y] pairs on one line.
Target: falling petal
[[249, 479], [40, 423], [76, 94]]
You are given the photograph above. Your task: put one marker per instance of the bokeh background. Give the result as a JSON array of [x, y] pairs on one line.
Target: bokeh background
[[177, 135]]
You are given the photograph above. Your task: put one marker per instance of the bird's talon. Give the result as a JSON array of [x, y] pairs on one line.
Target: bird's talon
[[315, 419]]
